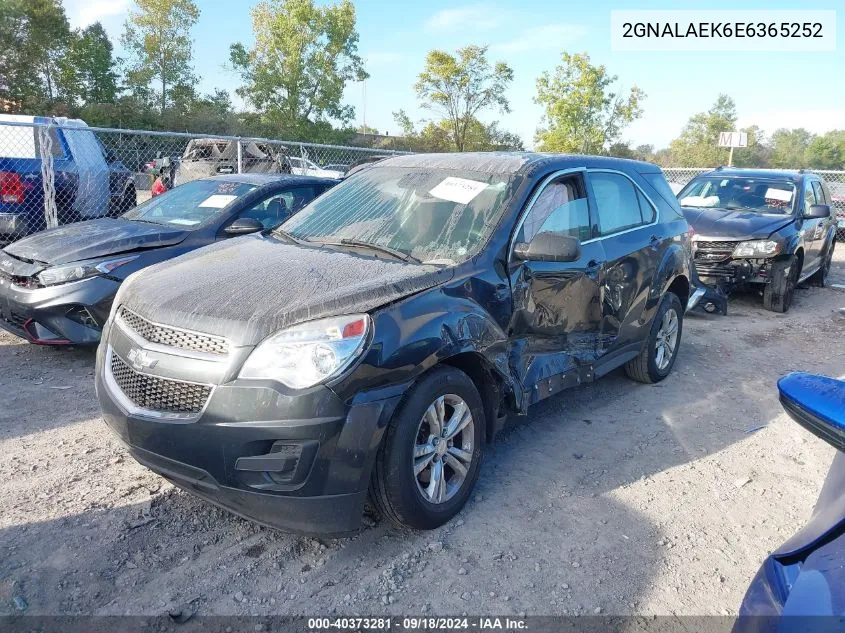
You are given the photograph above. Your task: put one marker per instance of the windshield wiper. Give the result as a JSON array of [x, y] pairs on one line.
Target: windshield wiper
[[285, 235], [401, 255]]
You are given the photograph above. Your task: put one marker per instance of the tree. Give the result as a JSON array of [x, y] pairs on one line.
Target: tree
[[301, 61], [458, 88], [758, 152], [438, 136], [583, 113], [33, 37], [827, 151], [789, 148], [87, 71], [697, 146], [158, 38]]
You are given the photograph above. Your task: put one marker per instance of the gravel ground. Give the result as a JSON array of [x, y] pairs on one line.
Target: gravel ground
[[615, 498]]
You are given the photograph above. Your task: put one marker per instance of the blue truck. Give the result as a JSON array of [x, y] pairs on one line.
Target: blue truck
[[43, 155]]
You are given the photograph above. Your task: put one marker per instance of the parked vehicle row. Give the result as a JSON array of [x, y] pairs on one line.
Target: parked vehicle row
[[365, 339]]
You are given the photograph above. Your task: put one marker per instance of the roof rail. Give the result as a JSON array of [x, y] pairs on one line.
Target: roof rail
[[720, 167]]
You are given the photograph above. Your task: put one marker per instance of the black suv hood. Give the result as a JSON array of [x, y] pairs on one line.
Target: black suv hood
[[247, 288], [739, 225], [94, 238]]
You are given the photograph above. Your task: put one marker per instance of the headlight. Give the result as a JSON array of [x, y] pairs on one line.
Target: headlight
[[80, 270], [757, 248], [306, 354]]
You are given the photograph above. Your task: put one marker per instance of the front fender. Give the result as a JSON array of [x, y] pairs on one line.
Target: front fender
[[675, 263], [414, 335]]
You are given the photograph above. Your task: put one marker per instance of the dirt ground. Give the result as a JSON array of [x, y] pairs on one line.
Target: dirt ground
[[615, 498]]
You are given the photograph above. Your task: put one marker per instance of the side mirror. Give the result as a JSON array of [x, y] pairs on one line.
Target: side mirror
[[549, 247], [817, 403], [242, 226], [818, 211]]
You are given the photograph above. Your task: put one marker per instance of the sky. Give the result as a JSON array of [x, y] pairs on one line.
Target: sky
[[772, 90]]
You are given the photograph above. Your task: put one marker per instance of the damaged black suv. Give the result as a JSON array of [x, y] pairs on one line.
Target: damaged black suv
[[372, 344], [760, 227]]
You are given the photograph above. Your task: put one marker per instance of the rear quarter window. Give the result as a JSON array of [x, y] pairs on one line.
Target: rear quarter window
[[657, 181]]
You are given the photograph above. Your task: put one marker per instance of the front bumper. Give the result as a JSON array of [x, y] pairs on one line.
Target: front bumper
[[67, 314], [731, 273], [299, 460]]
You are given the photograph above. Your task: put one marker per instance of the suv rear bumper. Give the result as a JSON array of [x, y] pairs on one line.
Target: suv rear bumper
[[296, 461]]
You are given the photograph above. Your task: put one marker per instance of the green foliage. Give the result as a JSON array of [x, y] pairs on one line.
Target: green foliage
[[33, 37], [827, 151], [87, 70], [583, 113], [157, 37], [303, 57], [697, 144], [459, 87], [789, 148], [438, 136]]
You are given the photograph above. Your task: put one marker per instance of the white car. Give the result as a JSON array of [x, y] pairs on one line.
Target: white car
[[305, 167]]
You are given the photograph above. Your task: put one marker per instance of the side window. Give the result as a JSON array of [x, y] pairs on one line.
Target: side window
[[560, 208], [817, 189], [809, 196], [274, 210], [616, 198]]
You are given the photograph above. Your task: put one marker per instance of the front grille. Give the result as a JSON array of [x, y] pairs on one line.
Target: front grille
[[158, 394], [716, 246], [173, 337]]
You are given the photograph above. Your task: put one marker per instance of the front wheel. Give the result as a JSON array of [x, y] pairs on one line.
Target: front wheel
[[778, 293], [661, 349], [428, 463]]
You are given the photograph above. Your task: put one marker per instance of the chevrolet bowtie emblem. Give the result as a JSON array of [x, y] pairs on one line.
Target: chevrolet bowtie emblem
[[141, 360]]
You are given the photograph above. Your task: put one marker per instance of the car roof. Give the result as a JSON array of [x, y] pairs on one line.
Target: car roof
[[793, 175], [266, 179], [512, 162]]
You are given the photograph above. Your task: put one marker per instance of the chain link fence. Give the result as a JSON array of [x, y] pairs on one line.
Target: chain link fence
[[58, 171]]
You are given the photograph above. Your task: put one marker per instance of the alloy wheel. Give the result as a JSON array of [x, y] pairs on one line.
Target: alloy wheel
[[667, 339], [443, 449]]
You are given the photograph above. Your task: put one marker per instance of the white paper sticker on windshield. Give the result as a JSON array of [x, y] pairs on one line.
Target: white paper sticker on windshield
[[458, 190], [217, 201], [183, 221], [778, 194]]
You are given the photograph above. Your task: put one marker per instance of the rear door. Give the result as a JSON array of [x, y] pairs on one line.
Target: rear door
[[556, 310], [633, 247]]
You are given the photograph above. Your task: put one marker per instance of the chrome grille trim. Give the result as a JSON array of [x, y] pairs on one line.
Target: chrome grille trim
[[172, 337], [153, 396]]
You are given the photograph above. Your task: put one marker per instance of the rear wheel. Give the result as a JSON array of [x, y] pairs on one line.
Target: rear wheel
[[819, 278], [661, 349], [428, 463], [778, 293]]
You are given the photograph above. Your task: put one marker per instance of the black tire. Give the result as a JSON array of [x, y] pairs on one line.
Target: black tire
[[394, 488], [778, 293], [644, 368], [819, 277], [129, 200]]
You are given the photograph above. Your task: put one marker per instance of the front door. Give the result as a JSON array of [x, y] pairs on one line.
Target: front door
[[633, 248], [556, 304]]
